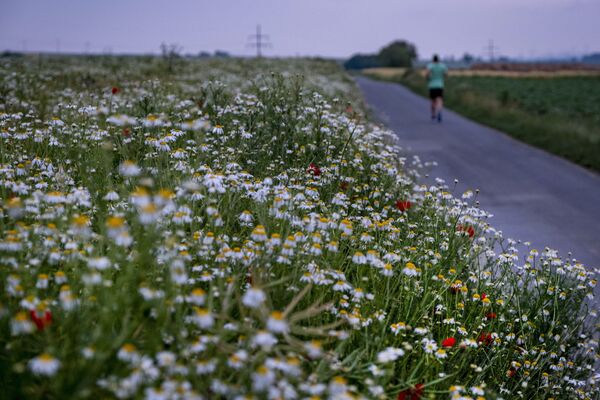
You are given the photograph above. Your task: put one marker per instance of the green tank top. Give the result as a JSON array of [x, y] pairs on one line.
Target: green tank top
[[436, 75]]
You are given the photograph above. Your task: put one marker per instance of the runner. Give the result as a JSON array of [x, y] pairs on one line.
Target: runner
[[436, 71]]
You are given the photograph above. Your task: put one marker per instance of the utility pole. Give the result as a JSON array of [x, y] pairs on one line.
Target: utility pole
[[490, 49], [259, 41]]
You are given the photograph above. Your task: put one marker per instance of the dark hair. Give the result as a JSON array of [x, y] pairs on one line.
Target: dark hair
[[436, 58]]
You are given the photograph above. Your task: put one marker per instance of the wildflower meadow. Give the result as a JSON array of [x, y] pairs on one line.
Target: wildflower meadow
[[243, 229]]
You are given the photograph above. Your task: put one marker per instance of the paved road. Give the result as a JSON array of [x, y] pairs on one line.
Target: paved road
[[534, 196]]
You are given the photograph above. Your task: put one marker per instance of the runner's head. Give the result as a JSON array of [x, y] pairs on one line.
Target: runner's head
[[436, 58]]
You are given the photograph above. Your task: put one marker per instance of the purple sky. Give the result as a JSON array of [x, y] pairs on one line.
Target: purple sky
[[337, 28]]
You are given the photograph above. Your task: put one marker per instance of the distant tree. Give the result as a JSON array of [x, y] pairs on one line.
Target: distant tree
[[221, 54], [398, 54], [593, 58], [204, 54], [9, 53], [361, 61], [468, 58], [170, 53]]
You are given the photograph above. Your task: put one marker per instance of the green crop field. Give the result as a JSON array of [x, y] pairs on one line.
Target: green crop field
[[560, 115]]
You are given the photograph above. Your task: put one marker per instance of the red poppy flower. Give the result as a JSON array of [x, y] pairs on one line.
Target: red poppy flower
[[41, 319], [483, 295], [344, 186], [403, 205], [485, 338], [314, 169], [448, 342], [114, 90], [413, 393], [126, 132], [469, 229], [511, 372], [490, 315]]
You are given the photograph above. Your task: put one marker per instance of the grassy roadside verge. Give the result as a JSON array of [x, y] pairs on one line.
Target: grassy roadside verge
[[560, 115]]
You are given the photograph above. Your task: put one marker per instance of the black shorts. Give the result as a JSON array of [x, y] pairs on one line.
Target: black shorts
[[435, 93]]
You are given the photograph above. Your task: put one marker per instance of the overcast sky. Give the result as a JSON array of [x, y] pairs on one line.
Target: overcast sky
[[335, 28]]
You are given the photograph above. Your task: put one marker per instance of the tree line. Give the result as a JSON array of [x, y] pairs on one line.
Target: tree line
[[399, 53]]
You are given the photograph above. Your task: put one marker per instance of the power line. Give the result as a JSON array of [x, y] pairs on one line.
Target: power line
[[259, 41]]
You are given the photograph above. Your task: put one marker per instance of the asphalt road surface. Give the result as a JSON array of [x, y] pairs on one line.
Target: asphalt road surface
[[534, 196]]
